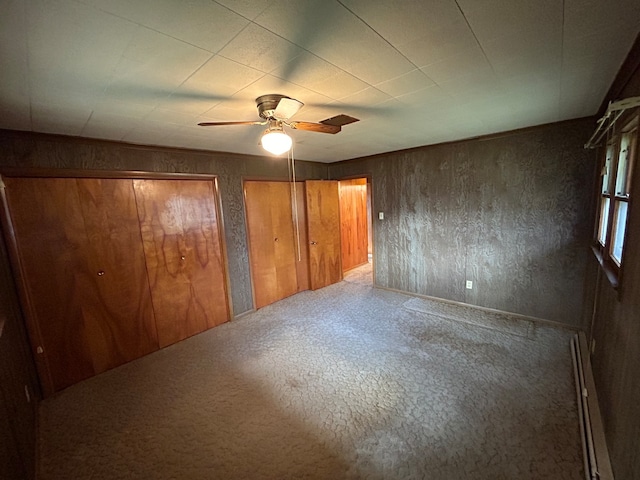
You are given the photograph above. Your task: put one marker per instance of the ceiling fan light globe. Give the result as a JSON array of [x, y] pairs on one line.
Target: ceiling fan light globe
[[276, 142]]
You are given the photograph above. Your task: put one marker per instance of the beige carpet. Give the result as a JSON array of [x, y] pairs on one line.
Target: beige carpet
[[344, 382]]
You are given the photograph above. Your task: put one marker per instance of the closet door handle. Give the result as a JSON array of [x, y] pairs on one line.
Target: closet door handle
[[314, 243], [101, 273]]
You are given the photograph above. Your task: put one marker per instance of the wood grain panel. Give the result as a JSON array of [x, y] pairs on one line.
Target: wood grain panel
[[323, 224], [509, 212], [49, 225], [616, 317], [354, 233], [181, 240], [121, 326], [271, 241]]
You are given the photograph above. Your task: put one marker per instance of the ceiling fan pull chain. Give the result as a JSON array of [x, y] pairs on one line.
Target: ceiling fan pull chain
[[295, 201]]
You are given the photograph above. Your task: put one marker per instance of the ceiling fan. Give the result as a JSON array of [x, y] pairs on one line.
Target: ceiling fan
[[276, 110]]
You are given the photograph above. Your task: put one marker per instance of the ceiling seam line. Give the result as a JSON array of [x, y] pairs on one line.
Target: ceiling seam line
[[385, 40], [315, 55], [165, 34], [324, 60], [240, 14], [112, 75], [475, 37], [294, 83]]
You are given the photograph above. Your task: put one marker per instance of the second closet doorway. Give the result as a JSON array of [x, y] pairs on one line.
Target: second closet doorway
[[355, 223], [304, 236]]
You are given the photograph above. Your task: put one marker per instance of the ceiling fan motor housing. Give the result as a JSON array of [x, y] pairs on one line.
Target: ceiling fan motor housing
[[267, 104]]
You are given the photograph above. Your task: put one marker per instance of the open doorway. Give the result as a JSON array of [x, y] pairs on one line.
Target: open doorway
[[356, 230]]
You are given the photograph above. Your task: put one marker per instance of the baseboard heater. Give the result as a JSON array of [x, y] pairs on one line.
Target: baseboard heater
[[594, 447]]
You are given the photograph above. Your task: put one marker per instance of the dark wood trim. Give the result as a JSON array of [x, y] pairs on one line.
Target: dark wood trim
[[80, 173], [629, 67], [611, 274], [369, 177], [260, 178], [33, 329], [354, 177], [223, 245], [247, 240]]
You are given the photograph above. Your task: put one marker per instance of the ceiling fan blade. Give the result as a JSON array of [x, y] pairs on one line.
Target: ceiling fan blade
[[340, 120], [287, 108], [315, 127], [214, 124]]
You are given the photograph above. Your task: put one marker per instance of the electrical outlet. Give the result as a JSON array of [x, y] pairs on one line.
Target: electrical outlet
[[469, 284]]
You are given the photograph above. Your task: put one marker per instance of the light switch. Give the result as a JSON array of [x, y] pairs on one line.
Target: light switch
[[380, 215]]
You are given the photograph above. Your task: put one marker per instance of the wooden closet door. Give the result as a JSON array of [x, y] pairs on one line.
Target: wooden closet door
[[87, 303], [179, 226], [272, 249], [323, 222], [121, 323]]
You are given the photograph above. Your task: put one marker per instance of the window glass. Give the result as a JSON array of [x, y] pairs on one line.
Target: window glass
[[606, 169], [633, 147], [619, 226], [604, 219], [623, 164]]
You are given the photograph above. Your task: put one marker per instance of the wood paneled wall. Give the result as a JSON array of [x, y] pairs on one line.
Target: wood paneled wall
[[510, 212], [616, 321], [23, 149], [354, 222]]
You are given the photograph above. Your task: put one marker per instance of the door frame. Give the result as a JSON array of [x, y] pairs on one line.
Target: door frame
[[370, 191]]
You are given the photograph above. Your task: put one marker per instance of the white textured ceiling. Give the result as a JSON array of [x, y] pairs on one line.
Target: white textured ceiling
[[415, 72]]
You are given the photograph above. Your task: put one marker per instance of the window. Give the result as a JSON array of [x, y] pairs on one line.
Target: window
[[615, 193]]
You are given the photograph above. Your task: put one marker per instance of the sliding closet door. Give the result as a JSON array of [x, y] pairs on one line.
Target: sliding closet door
[[83, 281], [323, 220], [272, 247], [182, 246]]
